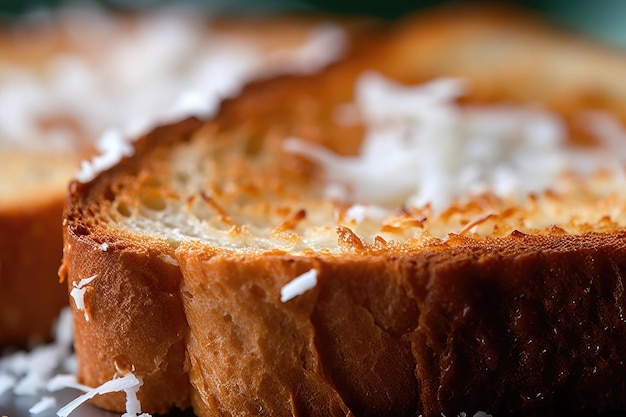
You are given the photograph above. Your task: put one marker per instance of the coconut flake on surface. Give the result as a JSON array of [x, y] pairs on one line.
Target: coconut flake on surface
[[29, 372], [45, 403], [422, 148], [62, 381], [39, 371], [299, 285], [7, 381], [358, 213], [128, 383], [193, 102], [78, 294], [41, 363]]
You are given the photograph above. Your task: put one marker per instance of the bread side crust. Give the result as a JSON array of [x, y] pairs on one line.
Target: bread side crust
[[136, 321], [523, 324], [30, 253], [133, 321]]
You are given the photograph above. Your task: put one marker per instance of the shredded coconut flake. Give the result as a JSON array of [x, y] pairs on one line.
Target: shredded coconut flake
[[62, 381], [299, 285], [422, 148], [359, 213], [78, 294], [27, 373], [196, 103], [45, 403], [113, 146], [611, 133], [7, 382], [40, 365]]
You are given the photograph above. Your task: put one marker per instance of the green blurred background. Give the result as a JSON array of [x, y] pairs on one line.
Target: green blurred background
[[600, 19]]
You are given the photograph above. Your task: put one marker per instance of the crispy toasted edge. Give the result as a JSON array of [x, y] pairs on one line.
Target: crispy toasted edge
[[148, 336]]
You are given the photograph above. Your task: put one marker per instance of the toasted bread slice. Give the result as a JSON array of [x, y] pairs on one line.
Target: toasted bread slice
[[59, 94], [31, 186], [242, 271]]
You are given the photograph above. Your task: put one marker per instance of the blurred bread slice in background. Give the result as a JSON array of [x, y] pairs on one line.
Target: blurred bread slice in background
[[512, 54]]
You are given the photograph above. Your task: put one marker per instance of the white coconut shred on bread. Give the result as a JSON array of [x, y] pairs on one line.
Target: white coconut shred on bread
[[255, 264], [436, 170]]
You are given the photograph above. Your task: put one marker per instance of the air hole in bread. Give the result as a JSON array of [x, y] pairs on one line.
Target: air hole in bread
[[257, 292], [109, 194], [123, 209], [80, 230], [154, 202]]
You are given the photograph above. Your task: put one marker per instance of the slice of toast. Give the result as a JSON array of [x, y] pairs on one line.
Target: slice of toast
[[59, 94], [32, 185], [246, 264]]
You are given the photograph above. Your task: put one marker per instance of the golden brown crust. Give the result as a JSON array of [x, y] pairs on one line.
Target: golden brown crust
[[135, 285], [472, 326], [248, 353], [440, 330]]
